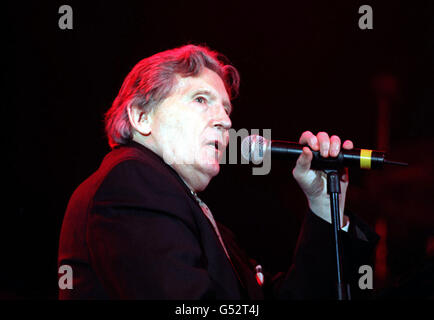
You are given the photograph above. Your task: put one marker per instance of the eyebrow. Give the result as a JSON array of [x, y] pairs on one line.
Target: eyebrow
[[207, 92]]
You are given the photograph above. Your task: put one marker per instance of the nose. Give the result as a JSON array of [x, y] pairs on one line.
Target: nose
[[222, 120]]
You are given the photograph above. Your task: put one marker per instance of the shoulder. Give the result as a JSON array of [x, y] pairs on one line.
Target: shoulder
[[136, 177]]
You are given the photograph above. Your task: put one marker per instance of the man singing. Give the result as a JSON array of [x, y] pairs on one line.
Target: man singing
[[136, 228]]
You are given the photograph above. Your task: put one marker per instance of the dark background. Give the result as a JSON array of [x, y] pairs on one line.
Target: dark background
[[304, 65]]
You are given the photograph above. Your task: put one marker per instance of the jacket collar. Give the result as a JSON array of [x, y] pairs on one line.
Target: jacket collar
[[155, 157]]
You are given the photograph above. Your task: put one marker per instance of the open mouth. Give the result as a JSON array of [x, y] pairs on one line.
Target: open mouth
[[216, 145], [218, 149]]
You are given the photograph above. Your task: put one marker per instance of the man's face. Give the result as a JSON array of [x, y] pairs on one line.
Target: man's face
[[189, 124]]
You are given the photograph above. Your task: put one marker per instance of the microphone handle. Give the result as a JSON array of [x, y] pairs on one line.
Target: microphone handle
[[355, 158]]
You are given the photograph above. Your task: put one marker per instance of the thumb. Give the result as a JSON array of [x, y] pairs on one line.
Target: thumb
[[303, 163]]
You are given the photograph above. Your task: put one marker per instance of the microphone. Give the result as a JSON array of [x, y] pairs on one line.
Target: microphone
[[255, 148]]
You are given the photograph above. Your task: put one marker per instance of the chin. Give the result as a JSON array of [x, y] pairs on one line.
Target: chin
[[212, 169], [209, 163], [207, 173]]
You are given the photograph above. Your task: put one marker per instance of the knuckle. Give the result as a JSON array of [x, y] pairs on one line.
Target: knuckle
[[335, 137], [306, 134], [299, 162], [325, 143]]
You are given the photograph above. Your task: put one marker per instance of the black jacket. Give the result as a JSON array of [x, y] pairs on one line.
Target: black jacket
[[134, 230]]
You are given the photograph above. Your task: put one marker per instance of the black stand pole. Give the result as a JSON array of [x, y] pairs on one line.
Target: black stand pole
[[334, 189]]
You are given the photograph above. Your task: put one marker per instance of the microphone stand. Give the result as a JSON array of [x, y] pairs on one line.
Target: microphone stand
[[334, 189]]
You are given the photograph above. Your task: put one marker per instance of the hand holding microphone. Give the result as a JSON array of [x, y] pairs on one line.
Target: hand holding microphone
[[314, 183], [314, 153]]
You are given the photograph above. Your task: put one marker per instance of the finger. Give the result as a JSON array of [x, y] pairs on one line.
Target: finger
[[348, 145], [309, 138], [335, 145], [324, 143], [303, 162]]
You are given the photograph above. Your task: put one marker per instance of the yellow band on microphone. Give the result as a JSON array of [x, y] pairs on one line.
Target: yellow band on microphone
[[365, 158]]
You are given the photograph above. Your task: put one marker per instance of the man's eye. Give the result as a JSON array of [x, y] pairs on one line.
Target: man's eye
[[200, 99]]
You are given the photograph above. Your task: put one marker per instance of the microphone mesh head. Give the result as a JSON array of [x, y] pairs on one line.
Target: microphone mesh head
[[253, 148]]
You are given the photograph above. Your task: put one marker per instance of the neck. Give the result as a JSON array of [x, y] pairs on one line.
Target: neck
[[194, 180]]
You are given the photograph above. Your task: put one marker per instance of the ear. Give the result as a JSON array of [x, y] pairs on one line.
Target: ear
[[140, 120]]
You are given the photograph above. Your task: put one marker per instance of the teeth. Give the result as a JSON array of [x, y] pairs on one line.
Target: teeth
[[215, 144]]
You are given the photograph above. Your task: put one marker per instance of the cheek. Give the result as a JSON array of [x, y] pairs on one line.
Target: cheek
[[182, 138], [183, 131], [169, 128], [189, 128]]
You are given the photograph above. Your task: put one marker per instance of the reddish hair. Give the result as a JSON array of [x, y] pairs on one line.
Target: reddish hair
[[152, 80]]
